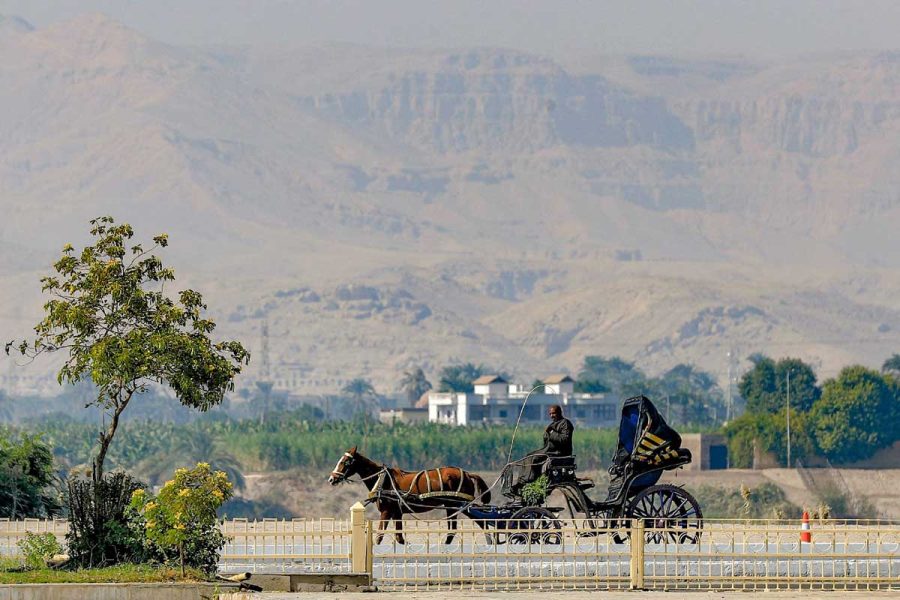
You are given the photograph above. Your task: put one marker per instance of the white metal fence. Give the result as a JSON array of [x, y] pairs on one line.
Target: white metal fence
[[13, 531], [579, 554], [296, 545], [272, 545], [567, 554]]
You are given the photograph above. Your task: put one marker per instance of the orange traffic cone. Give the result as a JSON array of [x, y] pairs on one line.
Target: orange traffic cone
[[805, 535]]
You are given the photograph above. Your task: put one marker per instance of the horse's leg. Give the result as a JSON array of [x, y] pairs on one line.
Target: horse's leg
[[382, 525], [398, 519], [451, 524]]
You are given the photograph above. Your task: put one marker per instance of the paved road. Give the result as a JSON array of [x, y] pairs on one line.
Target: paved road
[[768, 595]]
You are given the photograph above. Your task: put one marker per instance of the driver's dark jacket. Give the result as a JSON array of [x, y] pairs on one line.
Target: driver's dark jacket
[[558, 438]]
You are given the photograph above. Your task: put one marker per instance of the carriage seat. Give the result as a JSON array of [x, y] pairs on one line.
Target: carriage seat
[[560, 468], [673, 459], [585, 483]]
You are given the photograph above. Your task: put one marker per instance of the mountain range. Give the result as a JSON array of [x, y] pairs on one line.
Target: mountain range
[[380, 209]]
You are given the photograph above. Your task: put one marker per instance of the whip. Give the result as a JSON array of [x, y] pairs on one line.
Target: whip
[[516, 429]]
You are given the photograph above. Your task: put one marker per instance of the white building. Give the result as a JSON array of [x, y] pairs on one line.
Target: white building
[[496, 401]]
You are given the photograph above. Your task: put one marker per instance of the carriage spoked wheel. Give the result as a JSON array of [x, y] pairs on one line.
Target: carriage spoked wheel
[[667, 507], [539, 525]]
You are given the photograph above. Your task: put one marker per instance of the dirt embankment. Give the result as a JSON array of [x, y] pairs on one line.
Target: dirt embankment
[[305, 494]]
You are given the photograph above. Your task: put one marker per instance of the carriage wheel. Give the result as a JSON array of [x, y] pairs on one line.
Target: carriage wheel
[[667, 507], [493, 538], [540, 525]]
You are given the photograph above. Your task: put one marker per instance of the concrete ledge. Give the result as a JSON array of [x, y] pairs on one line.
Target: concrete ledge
[[346, 582], [309, 582], [114, 591]]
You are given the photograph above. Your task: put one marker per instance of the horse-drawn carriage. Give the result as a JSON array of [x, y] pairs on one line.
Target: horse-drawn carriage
[[647, 446]]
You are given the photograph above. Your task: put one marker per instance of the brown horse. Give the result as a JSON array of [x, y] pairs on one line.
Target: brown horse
[[400, 492]]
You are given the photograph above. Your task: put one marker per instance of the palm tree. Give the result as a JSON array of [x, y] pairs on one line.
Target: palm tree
[[362, 393], [194, 447], [414, 384]]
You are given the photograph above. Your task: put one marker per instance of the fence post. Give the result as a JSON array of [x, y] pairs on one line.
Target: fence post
[[370, 553], [637, 554], [358, 554]]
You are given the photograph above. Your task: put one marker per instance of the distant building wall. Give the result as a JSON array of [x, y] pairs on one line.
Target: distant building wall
[[566, 387], [709, 451], [469, 409], [403, 415]]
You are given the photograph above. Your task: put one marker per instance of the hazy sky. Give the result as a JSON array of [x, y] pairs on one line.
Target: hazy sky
[[755, 28]]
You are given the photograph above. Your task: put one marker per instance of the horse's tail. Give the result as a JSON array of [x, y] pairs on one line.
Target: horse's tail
[[482, 491]]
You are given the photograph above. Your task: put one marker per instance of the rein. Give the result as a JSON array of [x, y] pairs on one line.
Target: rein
[[365, 479]]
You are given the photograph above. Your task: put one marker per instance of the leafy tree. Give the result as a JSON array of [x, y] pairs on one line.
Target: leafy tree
[[590, 386], [892, 365], [537, 383], [856, 415], [757, 357], [109, 314], [759, 387], [362, 393], [414, 384], [459, 378], [696, 392], [687, 376], [768, 431], [764, 387], [804, 388], [614, 374], [27, 480]]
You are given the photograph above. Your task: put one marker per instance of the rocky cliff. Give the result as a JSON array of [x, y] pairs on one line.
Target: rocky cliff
[[384, 209]]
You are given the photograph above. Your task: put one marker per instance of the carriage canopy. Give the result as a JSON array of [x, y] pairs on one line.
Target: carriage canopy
[[644, 436]]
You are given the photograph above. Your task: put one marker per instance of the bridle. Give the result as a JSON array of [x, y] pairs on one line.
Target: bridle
[[342, 476], [345, 461]]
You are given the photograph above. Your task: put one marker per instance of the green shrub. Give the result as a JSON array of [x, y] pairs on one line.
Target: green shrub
[[534, 493], [765, 501], [38, 548], [100, 531], [181, 521]]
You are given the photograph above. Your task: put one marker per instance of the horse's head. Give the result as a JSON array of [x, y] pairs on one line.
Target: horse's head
[[345, 467]]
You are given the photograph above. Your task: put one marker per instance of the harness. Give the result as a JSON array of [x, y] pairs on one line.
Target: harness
[[407, 498], [378, 492]]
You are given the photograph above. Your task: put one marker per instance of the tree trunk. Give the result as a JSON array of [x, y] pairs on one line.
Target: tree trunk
[[181, 555], [107, 436]]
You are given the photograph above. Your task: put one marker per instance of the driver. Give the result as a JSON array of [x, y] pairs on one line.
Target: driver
[[557, 442], [558, 434]]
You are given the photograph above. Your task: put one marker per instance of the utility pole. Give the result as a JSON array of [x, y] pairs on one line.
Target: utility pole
[[729, 400], [789, 418], [265, 383]]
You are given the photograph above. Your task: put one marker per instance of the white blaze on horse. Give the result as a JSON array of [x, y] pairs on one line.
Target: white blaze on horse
[[397, 492]]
